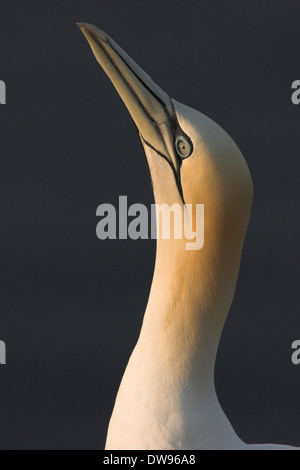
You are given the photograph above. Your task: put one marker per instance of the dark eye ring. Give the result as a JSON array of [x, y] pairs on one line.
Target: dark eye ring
[[183, 147]]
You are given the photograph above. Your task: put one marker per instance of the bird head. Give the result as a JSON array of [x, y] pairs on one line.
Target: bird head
[[192, 160]]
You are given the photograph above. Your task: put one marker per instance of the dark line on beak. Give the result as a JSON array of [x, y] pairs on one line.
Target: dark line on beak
[[176, 176], [172, 119], [124, 79]]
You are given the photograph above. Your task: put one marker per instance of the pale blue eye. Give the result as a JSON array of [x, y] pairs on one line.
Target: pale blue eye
[[183, 147]]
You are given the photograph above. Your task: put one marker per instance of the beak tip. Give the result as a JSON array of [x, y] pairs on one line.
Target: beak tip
[[89, 29], [81, 26]]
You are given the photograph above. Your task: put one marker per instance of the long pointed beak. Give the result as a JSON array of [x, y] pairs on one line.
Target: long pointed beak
[[150, 107]]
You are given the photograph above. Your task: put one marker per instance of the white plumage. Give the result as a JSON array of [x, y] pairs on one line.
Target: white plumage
[[167, 397]]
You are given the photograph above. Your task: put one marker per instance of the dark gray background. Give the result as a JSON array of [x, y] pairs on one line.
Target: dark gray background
[[71, 305]]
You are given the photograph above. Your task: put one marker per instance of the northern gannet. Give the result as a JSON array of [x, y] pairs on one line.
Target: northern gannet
[[167, 398]]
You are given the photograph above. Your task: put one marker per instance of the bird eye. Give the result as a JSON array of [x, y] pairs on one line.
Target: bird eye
[[183, 147]]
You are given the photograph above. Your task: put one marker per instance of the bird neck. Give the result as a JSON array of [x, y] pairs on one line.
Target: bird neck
[[189, 301]]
